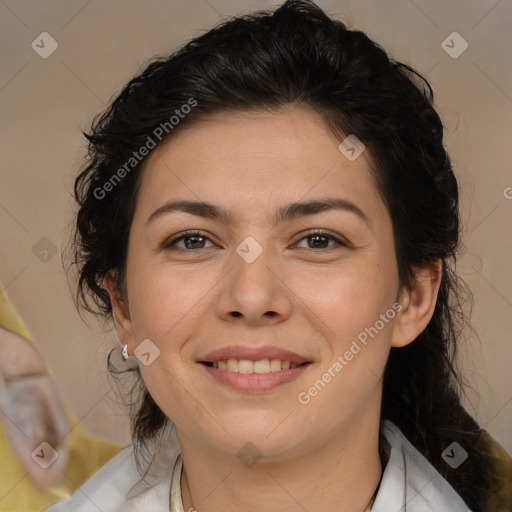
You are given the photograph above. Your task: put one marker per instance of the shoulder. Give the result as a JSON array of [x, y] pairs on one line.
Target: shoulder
[[106, 488], [119, 487]]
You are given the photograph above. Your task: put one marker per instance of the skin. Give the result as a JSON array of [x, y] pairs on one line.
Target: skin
[[319, 456]]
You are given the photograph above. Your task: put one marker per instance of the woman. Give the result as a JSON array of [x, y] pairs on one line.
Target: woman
[[270, 219]]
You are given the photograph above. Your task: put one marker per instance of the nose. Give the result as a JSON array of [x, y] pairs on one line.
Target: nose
[[255, 293]]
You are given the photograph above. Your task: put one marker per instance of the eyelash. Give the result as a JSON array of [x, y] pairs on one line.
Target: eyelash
[[190, 234]]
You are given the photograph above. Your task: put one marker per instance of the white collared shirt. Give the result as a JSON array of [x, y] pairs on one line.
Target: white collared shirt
[[409, 482]]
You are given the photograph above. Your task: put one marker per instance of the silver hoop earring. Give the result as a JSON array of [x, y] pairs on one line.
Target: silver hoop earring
[[124, 352]]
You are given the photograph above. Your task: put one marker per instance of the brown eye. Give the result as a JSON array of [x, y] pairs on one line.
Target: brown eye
[[191, 239], [321, 239]]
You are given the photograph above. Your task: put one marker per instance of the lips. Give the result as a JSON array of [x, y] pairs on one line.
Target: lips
[[254, 369], [253, 354]]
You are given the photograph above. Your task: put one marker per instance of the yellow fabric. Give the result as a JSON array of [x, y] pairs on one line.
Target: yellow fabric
[[86, 453], [10, 320]]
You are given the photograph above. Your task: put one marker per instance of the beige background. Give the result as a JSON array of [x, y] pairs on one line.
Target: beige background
[[45, 102]]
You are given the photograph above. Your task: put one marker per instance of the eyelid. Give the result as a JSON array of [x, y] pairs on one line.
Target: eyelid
[[337, 238], [184, 234]]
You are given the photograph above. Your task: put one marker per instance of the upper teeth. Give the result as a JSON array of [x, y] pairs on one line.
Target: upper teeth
[[248, 366]]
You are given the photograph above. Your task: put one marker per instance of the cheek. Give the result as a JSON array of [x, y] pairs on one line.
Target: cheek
[[169, 391], [348, 299], [164, 299], [357, 308]]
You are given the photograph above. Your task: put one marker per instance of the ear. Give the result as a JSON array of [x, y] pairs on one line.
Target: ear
[[120, 314], [418, 304]]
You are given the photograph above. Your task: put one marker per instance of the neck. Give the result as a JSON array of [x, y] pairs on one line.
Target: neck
[[339, 475]]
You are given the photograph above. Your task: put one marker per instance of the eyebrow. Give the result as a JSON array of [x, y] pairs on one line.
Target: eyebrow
[[285, 213]]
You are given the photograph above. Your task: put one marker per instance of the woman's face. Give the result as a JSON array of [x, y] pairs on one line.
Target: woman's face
[[254, 284]]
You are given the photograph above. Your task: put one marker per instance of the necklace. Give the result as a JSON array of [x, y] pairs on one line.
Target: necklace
[[192, 508]]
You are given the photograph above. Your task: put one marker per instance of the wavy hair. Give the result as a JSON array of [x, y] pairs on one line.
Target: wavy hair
[[297, 55]]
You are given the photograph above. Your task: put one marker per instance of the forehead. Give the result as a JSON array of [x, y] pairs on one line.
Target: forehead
[[251, 160]]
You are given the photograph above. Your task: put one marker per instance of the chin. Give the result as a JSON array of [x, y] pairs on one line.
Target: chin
[[271, 436]]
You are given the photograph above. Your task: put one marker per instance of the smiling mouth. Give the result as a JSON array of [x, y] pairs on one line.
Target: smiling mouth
[[247, 366]]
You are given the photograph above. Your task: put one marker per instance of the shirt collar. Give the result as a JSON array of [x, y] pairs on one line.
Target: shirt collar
[[409, 482]]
